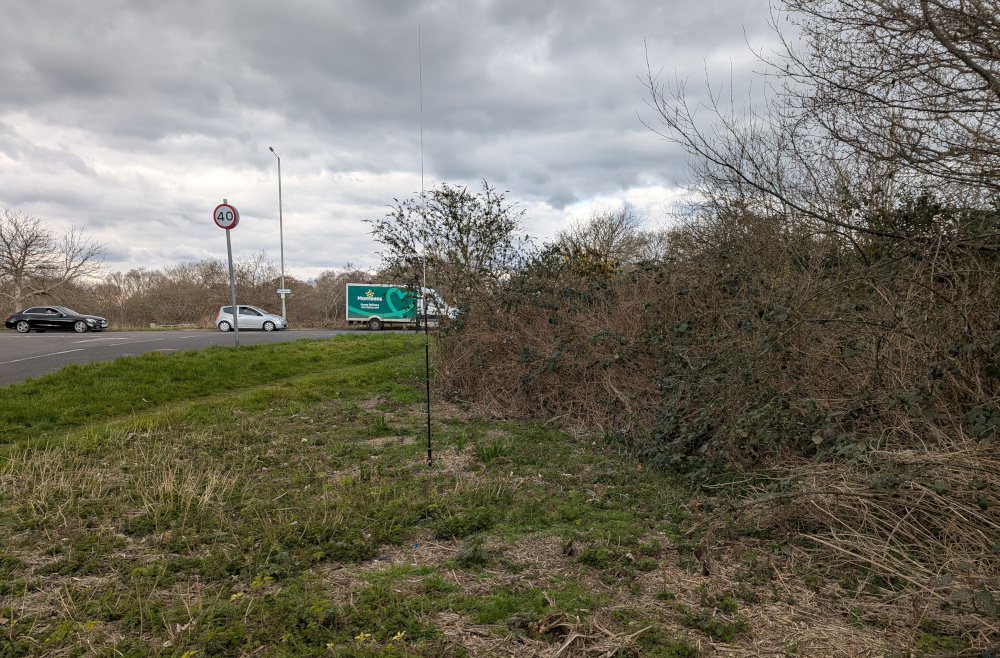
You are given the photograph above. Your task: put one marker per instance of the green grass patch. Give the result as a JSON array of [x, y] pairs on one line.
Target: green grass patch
[[158, 506], [82, 394]]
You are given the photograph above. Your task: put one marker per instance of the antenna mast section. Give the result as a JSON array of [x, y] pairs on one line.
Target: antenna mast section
[[423, 290]]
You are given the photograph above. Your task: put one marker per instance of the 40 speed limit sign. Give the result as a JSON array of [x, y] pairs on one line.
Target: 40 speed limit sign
[[226, 216]]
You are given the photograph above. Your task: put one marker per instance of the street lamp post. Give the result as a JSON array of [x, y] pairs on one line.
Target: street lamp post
[[281, 237]]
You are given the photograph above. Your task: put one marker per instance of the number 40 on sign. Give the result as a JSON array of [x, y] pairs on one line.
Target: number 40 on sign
[[226, 216]]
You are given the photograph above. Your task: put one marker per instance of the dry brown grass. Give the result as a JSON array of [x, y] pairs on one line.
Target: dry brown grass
[[787, 617], [929, 532]]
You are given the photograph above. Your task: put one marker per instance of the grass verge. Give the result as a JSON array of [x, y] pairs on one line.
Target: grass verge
[[87, 393], [158, 506]]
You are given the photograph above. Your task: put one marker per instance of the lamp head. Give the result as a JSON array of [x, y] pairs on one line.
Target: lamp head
[[271, 148]]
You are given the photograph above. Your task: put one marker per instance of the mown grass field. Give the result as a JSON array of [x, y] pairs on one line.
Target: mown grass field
[[277, 501]]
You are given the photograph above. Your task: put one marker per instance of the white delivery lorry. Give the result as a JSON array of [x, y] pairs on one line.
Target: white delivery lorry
[[377, 305]]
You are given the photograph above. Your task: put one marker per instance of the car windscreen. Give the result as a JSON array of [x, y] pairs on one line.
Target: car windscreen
[[65, 311]]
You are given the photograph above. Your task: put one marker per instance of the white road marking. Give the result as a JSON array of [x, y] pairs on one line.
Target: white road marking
[[136, 342], [40, 356], [91, 340]]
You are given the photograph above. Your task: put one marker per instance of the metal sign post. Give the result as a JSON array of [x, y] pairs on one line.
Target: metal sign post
[[227, 217]]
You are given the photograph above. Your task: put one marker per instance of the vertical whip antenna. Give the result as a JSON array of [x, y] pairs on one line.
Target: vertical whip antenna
[[423, 214], [423, 203]]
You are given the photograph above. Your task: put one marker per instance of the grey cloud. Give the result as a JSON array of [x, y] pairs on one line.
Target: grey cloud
[[561, 199], [117, 253], [151, 101]]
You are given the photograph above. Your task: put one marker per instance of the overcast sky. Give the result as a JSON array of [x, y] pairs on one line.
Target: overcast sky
[[134, 119]]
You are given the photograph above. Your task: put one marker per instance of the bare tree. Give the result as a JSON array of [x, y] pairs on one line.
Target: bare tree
[[35, 261], [256, 272], [125, 296], [613, 232], [471, 240], [912, 82], [883, 99], [331, 290]]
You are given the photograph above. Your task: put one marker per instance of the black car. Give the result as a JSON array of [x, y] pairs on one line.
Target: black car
[[55, 318]]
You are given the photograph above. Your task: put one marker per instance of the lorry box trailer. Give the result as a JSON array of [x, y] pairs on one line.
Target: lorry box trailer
[[377, 305]]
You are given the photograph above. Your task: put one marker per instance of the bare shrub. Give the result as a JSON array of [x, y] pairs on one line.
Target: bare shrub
[[546, 350], [860, 374]]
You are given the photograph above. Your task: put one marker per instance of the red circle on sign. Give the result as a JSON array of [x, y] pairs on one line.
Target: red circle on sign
[[226, 216]]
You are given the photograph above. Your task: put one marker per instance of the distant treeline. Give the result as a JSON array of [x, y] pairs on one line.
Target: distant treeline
[[193, 292]]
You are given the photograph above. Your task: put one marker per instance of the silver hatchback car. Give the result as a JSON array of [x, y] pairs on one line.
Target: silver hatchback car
[[251, 317]]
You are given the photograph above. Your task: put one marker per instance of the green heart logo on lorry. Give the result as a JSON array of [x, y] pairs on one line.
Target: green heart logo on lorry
[[399, 301], [390, 303]]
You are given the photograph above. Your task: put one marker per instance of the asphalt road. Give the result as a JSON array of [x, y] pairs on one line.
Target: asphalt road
[[32, 355]]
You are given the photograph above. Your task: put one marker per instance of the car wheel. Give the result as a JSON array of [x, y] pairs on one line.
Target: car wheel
[[224, 326], [80, 327], [375, 324], [268, 326], [23, 327]]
